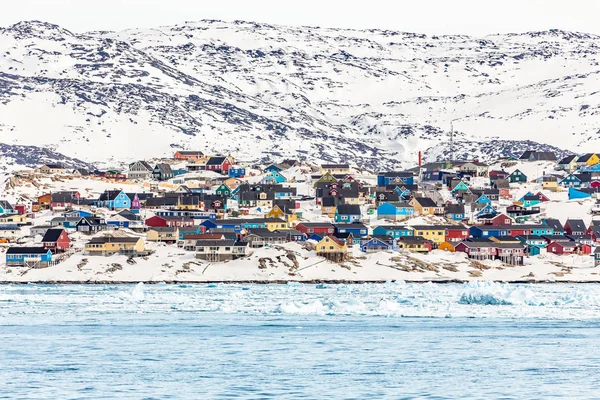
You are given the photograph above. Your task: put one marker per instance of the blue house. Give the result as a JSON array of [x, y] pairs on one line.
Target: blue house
[[460, 187], [272, 167], [316, 237], [273, 177], [578, 194], [483, 199], [487, 210], [347, 213], [488, 231], [20, 256], [78, 213], [6, 208], [114, 200], [570, 181], [236, 172], [395, 211], [375, 245], [178, 172], [530, 200], [357, 230], [455, 212], [394, 231], [395, 178]]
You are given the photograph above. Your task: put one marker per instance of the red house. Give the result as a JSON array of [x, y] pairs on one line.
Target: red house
[[543, 198], [188, 155], [456, 233], [56, 240], [157, 222], [308, 228], [63, 200], [218, 164], [561, 248], [498, 220], [585, 249], [21, 209]]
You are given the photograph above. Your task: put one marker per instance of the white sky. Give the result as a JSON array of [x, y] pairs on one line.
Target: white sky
[[474, 17]]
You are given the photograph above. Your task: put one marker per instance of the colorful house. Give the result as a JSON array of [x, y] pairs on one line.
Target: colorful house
[[36, 257], [561, 248], [588, 159], [164, 221], [394, 231], [273, 177], [332, 248], [218, 164], [375, 245], [517, 177], [395, 211], [568, 163], [425, 206], [236, 172], [529, 200], [6, 208], [356, 229], [434, 233], [455, 212], [162, 172], [223, 191], [188, 155], [56, 240], [109, 245], [347, 213], [570, 181], [395, 178], [114, 200], [322, 228]]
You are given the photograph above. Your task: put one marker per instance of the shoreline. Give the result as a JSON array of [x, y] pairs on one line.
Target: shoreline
[[286, 282]]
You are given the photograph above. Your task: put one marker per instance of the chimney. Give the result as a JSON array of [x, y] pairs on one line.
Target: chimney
[[420, 159]]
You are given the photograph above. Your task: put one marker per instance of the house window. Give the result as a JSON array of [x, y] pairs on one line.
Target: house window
[[201, 249], [330, 247], [227, 248]]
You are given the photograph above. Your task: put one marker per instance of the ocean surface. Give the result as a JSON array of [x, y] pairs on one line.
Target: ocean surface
[[390, 341]]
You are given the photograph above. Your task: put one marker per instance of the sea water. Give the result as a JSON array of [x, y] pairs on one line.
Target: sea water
[[396, 340]]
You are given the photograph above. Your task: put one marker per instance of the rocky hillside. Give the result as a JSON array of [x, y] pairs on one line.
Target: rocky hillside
[[258, 91]]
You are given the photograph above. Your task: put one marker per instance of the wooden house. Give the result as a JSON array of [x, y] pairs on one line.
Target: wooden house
[[308, 228], [394, 231], [169, 234], [568, 163], [140, 170], [56, 240], [561, 248], [517, 177], [218, 164], [375, 244], [188, 155], [588, 159], [434, 233], [34, 257], [332, 249], [109, 245], [575, 227], [52, 169], [425, 206], [414, 244], [172, 221], [162, 172], [220, 250], [335, 169], [347, 213], [395, 211]]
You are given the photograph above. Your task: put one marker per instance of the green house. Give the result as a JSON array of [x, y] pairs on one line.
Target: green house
[[223, 190], [517, 177]]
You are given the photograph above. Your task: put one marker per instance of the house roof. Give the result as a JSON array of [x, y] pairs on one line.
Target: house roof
[[163, 229], [316, 224], [27, 250], [401, 174], [585, 157], [216, 160], [52, 235], [576, 225], [501, 184], [335, 165], [109, 195], [329, 201], [164, 169], [425, 202], [348, 209], [262, 232], [568, 159], [190, 153], [354, 225], [54, 166], [554, 223], [394, 227], [113, 239], [61, 197], [5, 205]]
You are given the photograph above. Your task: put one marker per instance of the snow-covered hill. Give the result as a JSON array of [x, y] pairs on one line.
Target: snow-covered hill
[[258, 91]]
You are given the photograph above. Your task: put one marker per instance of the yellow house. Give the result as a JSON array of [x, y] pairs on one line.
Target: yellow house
[[162, 234], [233, 183], [425, 206], [188, 203], [276, 224], [413, 245], [14, 219], [277, 213], [588, 159], [335, 169], [550, 183], [331, 248], [109, 245], [437, 234], [325, 178]]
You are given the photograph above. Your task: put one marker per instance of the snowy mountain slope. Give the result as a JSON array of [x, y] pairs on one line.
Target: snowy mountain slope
[[259, 91]]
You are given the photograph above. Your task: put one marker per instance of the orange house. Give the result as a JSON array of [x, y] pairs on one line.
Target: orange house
[[188, 155], [446, 246], [44, 201]]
